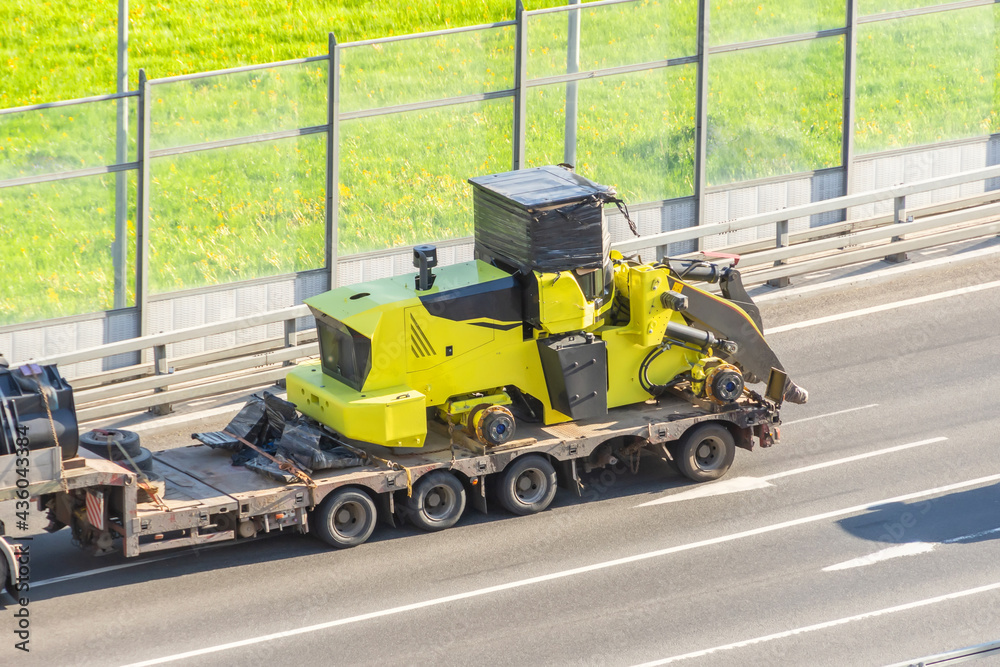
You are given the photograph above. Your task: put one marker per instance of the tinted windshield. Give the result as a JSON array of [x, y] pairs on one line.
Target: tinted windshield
[[346, 354]]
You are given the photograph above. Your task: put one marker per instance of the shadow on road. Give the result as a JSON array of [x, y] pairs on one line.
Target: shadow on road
[[53, 552], [962, 517]]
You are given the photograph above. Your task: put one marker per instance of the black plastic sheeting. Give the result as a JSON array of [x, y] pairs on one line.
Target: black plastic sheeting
[[544, 219], [273, 425], [278, 411], [309, 446], [262, 466]]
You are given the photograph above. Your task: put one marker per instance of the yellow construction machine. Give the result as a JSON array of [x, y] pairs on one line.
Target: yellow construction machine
[[546, 324]]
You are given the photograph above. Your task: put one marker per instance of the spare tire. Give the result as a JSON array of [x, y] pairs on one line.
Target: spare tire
[[143, 462], [104, 442]]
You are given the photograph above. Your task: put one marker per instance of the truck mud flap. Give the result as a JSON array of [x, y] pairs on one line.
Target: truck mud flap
[[568, 477], [477, 494], [386, 509]]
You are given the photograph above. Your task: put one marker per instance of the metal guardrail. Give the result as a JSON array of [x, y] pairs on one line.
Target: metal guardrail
[[159, 380], [141, 117], [901, 222], [782, 216]]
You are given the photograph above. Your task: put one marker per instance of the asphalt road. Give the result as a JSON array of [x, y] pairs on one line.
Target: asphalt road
[[869, 535]]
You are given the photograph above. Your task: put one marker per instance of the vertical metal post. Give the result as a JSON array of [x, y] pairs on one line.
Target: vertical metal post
[[291, 338], [780, 241], [332, 159], [572, 67], [520, 79], [701, 116], [119, 249], [142, 209], [160, 368], [900, 216], [850, 67]]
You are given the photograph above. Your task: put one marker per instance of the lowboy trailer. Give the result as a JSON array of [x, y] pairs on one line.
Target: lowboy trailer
[[209, 500]]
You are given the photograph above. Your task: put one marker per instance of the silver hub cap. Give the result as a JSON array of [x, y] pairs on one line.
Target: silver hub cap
[[708, 453], [530, 486], [439, 502], [348, 520]]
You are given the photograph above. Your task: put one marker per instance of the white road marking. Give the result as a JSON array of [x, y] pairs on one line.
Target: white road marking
[[738, 484], [828, 624], [974, 536], [906, 549], [830, 414], [934, 251], [100, 570], [811, 276], [567, 573], [720, 488], [886, 306], [898, 551], [856, 457], [874, 276]]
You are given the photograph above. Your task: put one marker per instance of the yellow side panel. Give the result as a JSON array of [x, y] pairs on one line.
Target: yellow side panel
[[628, 345], [388, 355], [429, 338], [624, 357], [562, 306], [509, 361], [395, 417]]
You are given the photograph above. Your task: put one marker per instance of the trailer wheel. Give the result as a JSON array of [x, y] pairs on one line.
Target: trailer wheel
[[5, 574], [706, 452], [345, 518], [437, 502], [527, 485]]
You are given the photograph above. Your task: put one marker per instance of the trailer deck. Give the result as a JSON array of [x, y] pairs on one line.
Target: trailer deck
[[207, 499]]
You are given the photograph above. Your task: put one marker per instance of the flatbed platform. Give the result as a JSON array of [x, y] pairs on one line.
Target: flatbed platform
[[207, 499]]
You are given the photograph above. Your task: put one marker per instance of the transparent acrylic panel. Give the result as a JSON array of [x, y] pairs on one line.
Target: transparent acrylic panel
[[775, 110], [635, 132], [612, 36], [869, 7], [733, 21], [57, 244], [403, 176], [49, 141], [229, 106], [237, 213], [918, 84], [427, 68]]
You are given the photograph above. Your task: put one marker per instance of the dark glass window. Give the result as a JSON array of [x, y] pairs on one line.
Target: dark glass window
[[346, 353]]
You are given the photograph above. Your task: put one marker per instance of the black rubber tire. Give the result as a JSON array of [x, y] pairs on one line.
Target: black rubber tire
[[5, 583], [94, 442], [437, 502], [144, 461], [527, 485], [706, 452], [345, 518]]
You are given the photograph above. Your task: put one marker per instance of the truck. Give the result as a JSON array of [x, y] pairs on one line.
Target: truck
[[109, 507], [549, 360]]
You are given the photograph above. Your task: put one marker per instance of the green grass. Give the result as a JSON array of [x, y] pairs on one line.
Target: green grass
[[56, 240], [250, 211]]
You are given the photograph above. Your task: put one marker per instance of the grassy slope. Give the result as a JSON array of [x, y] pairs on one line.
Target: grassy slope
[[258, 210]]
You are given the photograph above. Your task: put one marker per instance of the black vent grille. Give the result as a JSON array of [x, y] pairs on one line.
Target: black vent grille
[[420, 344]]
